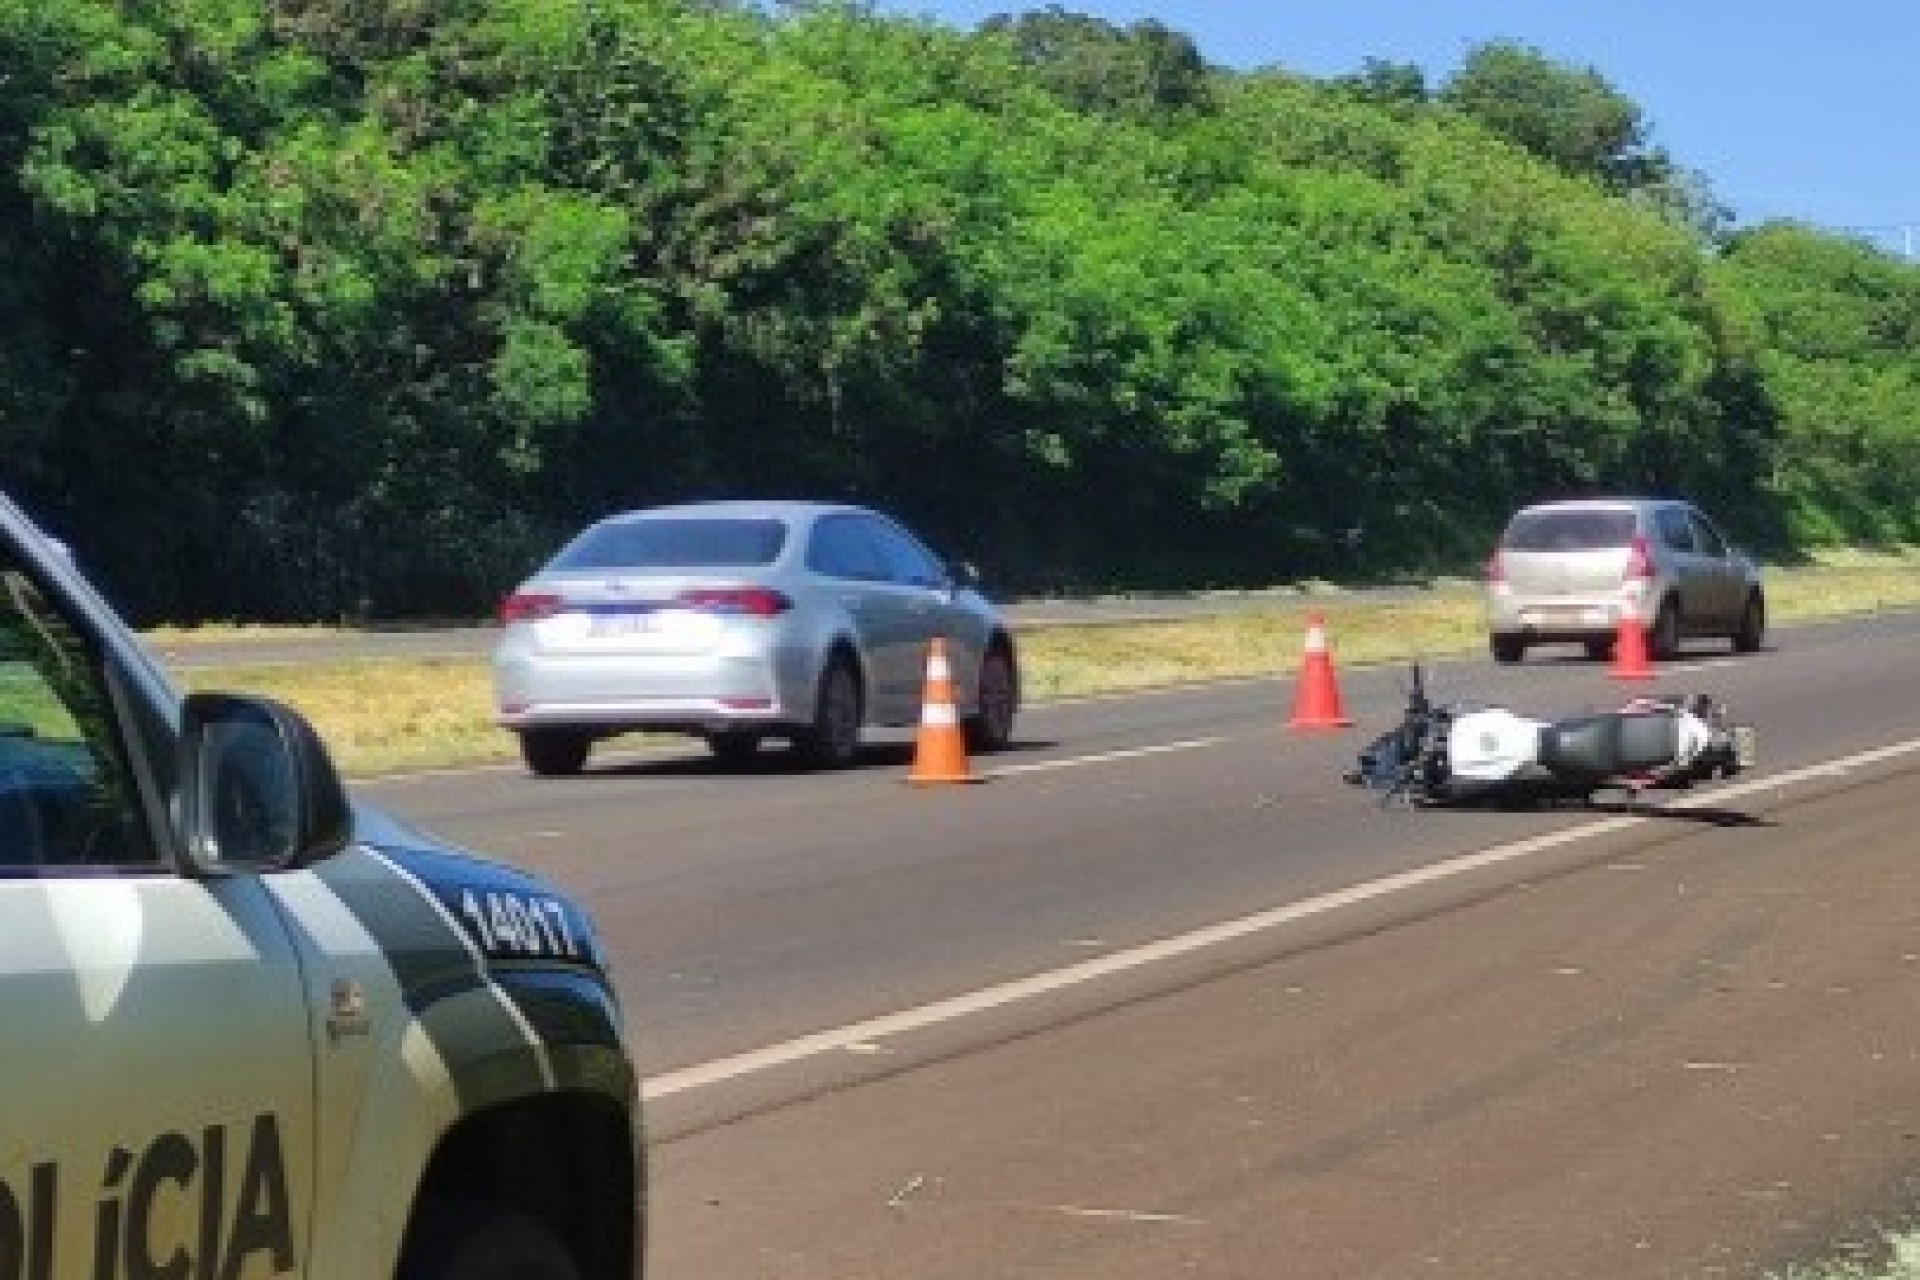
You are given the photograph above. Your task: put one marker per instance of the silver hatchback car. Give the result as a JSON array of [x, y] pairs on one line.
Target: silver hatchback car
[[740, 621], [1567, 571]]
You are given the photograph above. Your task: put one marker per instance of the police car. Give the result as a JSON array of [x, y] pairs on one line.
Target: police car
[[250, 1028]]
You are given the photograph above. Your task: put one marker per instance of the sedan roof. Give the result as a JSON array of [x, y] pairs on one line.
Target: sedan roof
[[744, 509]]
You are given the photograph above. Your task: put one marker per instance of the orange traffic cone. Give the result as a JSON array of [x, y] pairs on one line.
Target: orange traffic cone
[[939, 747], [1630, 658], [1316, 698]]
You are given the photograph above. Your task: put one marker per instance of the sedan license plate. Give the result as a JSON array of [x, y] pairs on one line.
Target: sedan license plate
[[610, 626]]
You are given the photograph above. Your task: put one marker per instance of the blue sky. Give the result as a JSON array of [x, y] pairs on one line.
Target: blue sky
[[1792, 109]]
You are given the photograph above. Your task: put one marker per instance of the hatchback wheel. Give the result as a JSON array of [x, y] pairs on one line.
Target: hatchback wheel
[[832, 741], [1664, 639], [1507, 649], [990, 728], [733, 746], [1599, 650], [554, 753], [1753, 625]]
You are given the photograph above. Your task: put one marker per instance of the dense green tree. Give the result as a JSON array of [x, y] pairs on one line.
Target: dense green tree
[[1387, 83], [1142, 70], [1839, 324], [1571, 117]]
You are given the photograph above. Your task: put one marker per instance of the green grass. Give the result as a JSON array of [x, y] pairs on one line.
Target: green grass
[[1893, 1257], [387, 715]]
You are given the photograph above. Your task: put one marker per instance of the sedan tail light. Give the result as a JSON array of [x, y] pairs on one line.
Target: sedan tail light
[[530, 606], [1495, 571], [754, 602]]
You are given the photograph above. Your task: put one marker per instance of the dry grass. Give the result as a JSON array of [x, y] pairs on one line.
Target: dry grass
[[1894, 1257], [380, 716], [1065, 662]]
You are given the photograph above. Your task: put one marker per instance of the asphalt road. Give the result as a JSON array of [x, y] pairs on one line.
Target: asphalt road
[[1162, 997]]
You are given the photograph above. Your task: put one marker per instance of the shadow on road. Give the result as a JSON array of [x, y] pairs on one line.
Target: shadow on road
[[1705, 817], [777, 761]]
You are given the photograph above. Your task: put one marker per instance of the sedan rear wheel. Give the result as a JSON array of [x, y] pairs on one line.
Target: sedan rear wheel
[[1753, 625], [1507, 649], [555, 753], [832, 741]]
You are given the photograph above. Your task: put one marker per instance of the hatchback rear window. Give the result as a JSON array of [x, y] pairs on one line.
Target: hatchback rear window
[[1569, 530], [675, 544]]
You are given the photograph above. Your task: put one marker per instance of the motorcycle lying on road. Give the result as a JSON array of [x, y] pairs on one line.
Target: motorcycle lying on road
[[1460, 754]]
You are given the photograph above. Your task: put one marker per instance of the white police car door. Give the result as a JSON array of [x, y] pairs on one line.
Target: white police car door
[[156, 1069]]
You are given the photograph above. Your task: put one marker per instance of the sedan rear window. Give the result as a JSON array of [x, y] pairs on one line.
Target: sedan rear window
[[675, 544], [1569, 530]]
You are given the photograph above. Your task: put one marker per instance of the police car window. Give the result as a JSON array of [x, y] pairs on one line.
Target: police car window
[[67, 799]]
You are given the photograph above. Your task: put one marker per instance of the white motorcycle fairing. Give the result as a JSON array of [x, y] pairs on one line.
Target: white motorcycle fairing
[[1492, 745]]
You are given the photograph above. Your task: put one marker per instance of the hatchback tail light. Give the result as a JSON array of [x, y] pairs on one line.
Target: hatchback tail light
[[753, 602], [1639, 570], [1495, 571], [530, 606]]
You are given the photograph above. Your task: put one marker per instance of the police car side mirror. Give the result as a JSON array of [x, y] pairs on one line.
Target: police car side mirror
[[258, 791]]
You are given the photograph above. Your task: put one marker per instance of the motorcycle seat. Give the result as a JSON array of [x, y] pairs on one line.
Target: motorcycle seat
[[1610, 744]]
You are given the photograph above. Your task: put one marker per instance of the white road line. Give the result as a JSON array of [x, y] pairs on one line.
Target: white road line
[[841, 1039], [1702, 664], [1104, 757]]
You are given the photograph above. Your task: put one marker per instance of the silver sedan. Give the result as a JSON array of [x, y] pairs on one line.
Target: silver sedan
[[741, 621]]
